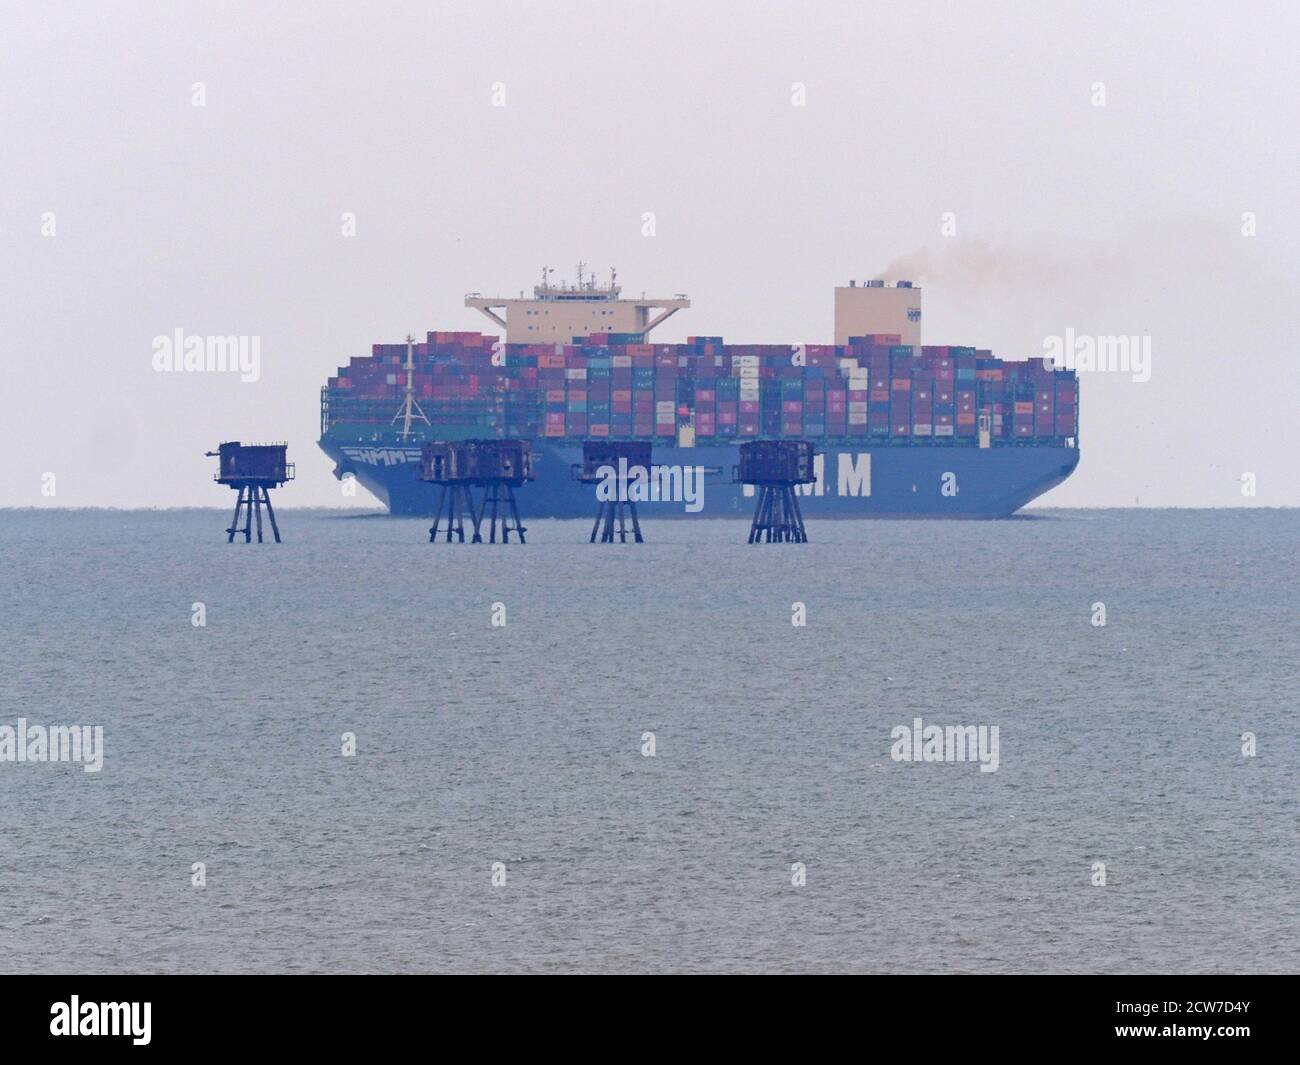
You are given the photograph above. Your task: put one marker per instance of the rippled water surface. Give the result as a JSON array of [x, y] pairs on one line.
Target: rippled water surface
[[522, 744]]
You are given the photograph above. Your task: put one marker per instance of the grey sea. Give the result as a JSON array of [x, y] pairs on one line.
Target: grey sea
[[648, 766]]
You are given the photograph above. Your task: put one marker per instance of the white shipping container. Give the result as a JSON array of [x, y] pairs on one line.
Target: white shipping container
[[857, 407], [576, 375], [943, 430], [922, 430], [857, 419]]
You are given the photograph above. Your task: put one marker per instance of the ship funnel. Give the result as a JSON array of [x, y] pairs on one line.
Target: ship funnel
[[877, 308]]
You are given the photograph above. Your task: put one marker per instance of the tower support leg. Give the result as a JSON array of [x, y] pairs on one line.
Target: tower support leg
[[757, 526], [234, 522], [778, 518], [463, 499], [514, 510], [257, 509], [801, 534], [270, 513], [476, 515], [437, 515]]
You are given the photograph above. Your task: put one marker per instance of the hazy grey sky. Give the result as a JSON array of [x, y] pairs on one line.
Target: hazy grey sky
[[226, 219]]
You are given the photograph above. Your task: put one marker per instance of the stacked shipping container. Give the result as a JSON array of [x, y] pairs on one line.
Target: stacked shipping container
[[607, 385]]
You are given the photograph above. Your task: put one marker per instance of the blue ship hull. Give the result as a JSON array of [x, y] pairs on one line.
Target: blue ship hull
[[919, 481]]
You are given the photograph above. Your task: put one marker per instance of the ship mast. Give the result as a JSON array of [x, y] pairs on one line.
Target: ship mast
[[410, 408]]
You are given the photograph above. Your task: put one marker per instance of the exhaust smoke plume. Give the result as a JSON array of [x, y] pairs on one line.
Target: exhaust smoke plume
[[1184, 248]]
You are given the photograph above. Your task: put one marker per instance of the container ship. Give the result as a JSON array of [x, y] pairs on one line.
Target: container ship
[[902, 429]]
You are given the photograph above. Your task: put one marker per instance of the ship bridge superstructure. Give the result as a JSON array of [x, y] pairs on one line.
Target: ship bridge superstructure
[[559, 311]]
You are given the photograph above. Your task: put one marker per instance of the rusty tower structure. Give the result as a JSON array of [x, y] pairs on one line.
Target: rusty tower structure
[[252, 470], [774, 467], [611, 463], [496, 467]]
